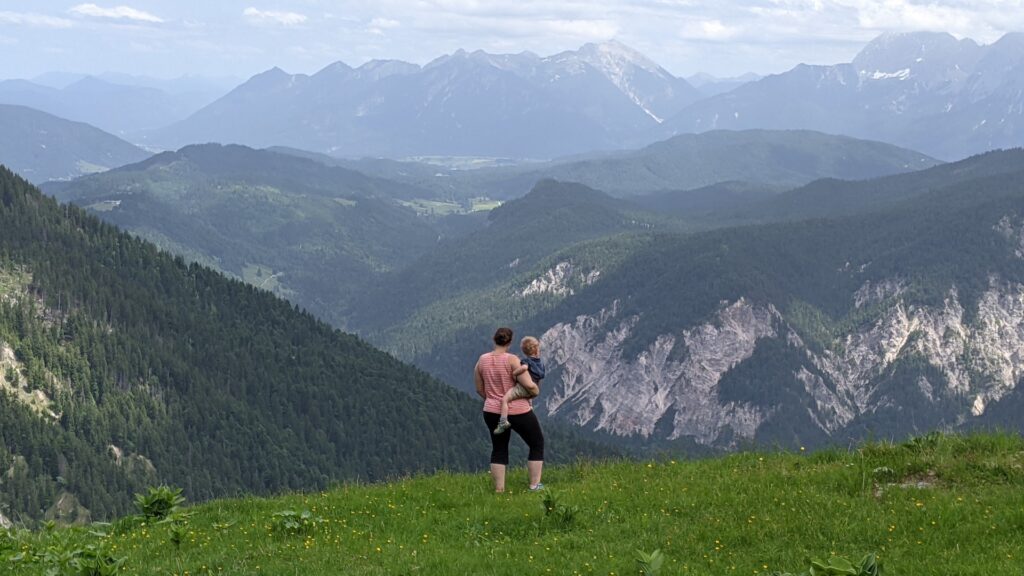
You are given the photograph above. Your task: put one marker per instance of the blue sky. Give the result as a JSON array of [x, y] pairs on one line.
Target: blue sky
[[238, 38]]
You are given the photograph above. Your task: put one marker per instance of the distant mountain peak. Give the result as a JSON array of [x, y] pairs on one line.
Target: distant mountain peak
[[612, 57], [893, 51], [273, 77], [338, 67]]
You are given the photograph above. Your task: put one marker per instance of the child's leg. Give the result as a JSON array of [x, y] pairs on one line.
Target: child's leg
[[503, 424], [519, 391], [504, 404]]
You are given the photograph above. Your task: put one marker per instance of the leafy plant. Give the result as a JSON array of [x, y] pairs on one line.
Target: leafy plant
[[92, 560], [159, 502], [292, 522], [564, 516], [839, 566], [650, 564], [177, 534], [921, 443]]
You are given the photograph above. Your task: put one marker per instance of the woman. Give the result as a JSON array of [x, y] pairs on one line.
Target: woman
[[493, 378]]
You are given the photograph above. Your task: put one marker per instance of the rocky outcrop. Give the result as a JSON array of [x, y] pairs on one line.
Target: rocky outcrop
[[672, 384], [13, 382], [600, 388], [560, 280], [67, 510], [132, 463], [1013, 232]]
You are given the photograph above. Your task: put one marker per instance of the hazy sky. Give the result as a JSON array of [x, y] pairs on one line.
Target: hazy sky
[[242, 37]]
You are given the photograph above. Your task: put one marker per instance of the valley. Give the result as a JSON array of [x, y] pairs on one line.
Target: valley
[[268, 294]]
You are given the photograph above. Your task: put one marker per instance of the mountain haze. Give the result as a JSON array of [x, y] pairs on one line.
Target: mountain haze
[[116, 108], [44, 147]]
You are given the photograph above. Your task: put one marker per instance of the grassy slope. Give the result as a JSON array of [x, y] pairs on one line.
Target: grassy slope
[[748, 513]]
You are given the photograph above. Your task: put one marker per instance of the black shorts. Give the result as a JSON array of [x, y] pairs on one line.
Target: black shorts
[[528, 428]]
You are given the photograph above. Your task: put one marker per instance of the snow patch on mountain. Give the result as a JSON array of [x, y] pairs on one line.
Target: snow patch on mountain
[[899, 74]]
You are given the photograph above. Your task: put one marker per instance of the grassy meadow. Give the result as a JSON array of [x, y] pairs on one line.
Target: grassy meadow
[[936, 505]]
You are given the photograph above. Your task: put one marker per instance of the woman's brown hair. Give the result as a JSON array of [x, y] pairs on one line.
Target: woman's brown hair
[[503, 336]]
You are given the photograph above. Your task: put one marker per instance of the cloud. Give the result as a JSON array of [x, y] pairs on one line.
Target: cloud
[[115, 13], [36, 20], [257, 16], [379, 25], [708, 30]]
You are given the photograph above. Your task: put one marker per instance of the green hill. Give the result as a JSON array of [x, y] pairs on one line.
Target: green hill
[[932, 506], [121, 366], [771, 158], [455, 282], [311, 233]]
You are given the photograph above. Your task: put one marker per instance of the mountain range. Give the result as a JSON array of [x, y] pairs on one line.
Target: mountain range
[[479, 104], [929, 92], [926, 91]]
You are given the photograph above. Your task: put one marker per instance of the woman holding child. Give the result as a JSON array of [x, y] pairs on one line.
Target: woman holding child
[[501, 378]]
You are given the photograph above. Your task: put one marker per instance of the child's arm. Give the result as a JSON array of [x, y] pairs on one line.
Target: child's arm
[[522, 368]]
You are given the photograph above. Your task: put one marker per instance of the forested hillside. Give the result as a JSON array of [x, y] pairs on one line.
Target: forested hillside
[[308, 232], [124, 366]]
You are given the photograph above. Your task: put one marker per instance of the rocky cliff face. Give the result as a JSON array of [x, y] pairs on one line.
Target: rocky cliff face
[[671, 388]]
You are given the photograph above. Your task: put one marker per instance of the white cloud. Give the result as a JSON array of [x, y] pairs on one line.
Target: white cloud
[[257, 16], [115, 13], [379, 25], [708, 30], [36, 20], [384, 23]]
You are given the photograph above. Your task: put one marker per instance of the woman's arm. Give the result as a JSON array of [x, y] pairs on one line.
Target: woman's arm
[[523, 376], [478, 380]]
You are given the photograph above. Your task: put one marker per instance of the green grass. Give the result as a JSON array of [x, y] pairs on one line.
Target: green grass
[[484, 204], [748, 513], [432, 207], [104, 206], [425, 207]]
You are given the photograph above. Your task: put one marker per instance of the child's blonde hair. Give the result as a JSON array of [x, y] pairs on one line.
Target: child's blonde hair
[[530, 346]]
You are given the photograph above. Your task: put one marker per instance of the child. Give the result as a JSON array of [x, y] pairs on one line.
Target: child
[[531, 363]]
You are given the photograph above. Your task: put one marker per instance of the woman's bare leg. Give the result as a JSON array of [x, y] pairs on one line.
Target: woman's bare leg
[[535, 469], [498, 474]]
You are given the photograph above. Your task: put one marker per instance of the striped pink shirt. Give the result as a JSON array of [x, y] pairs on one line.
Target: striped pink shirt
[[496, 372]]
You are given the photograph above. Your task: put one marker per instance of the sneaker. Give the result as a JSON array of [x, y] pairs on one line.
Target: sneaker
[[502, 426], [537, 488]]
